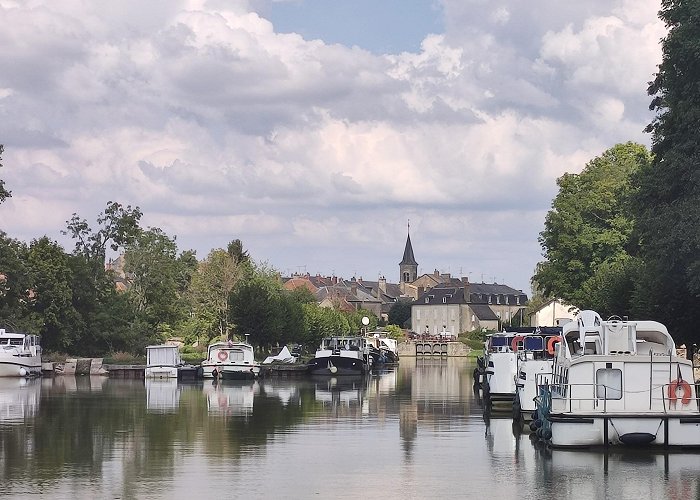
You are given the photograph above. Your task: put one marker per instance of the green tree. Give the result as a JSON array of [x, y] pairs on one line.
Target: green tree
[[118, 227], [155, 273], [256, 309], [668, 196], [14, 284], [320, 322], [589, 229], [4, 193], [236, 251], [210, 290], [400, 314], [52, 295]]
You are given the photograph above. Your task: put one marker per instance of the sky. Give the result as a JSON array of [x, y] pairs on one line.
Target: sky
[[314, 130]]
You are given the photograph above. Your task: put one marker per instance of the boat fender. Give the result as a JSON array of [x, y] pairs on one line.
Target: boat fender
[[514, 344], [673, 391], [223, 355], [333, 369], [22, 372], [546, 434], [550, 344], [538, 423]]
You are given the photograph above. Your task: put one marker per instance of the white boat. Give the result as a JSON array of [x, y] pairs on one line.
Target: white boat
[[20, 355], [619, 382], [162, 361], [230, 360], [341, 356], [534, 360], [500, 362]]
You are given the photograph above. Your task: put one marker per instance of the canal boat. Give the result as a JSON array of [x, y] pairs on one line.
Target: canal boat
[[534, 360], [162, 361], [341, 356], [500, 361], [230, 361], [618, 382], [382, 349], [20, 355]]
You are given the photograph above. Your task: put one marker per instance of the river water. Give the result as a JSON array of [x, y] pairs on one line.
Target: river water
[[416, 431]]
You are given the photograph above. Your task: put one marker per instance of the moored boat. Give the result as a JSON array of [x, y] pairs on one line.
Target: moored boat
[[618, 382], [230, 361], [500, 362], [340, 356], [162, 361], [20, 355]]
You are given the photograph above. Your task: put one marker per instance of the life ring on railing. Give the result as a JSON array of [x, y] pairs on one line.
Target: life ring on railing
[[223, 355], [551, 342], [514, 344], [673, 390]]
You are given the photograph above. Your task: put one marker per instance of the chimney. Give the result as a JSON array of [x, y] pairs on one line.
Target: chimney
[[353, 288], [382, 284]]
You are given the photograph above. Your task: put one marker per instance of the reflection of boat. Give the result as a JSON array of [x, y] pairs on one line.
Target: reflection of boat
[[162, 395], [619, 383], [20, 355], [230, 398], [162, 361], [345, 391], [230, 361], [340, 356], [19, 399]]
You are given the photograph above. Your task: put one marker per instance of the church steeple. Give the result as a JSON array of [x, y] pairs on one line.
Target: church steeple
[[408, 267]]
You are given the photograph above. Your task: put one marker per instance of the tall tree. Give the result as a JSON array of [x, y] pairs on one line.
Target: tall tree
[[118, 227], [210, 290], [589, 229], [668, 198], [155, 271], [4, 193], [14, 284], [52, 295]]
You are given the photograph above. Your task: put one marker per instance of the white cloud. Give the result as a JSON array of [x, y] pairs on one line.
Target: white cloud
[[218, 127]]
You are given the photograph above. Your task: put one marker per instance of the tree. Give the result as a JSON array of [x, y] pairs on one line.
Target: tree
[[210, 290], [119, 227], [589, 229], [320, 322], [668, 196], [51, 296], [400, 314], [4, 193], [155, 273], [14, 284], [235, 250]]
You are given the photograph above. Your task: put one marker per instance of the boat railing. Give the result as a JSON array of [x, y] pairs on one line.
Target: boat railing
[[572, 394]]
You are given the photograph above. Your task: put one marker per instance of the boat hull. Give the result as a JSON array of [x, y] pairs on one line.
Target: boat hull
[[161, 371], [337, 365], [652, 430], [231, 371], [15, 366]]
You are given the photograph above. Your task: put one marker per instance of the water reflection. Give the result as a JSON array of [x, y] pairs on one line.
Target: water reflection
[[162, 395], [19, 399], [413, 431]]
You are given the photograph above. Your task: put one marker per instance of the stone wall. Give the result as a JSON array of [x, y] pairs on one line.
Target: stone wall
[[416, 348]]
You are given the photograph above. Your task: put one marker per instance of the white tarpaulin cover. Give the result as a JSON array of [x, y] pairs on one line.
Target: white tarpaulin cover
[[284, 356]]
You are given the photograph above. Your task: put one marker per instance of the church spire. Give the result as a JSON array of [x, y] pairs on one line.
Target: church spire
[[408, 267]]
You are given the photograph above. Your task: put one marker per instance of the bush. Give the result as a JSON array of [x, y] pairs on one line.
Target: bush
[[124, 358], [193, 358]]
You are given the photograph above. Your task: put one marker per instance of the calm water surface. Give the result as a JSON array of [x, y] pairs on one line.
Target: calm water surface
[[416, 431]]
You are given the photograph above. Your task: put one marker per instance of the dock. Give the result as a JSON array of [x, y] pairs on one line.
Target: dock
[[283, 370]]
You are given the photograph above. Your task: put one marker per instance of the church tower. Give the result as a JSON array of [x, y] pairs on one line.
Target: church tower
[[408, 267]]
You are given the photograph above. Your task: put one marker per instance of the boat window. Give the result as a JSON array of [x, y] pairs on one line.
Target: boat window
[[235, 355], [609, 383], [499, 341], [533, 344]]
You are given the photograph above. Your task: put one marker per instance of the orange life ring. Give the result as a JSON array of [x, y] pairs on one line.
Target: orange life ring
[[551, 342], [673, 388], [514, 344], [223, 355]]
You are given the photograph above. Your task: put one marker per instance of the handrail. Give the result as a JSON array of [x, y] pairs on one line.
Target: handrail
[[564, 391]]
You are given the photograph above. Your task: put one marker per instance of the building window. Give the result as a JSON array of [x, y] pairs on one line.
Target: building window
[[517, 300], [417, 314], [489, 299], [498, 299]]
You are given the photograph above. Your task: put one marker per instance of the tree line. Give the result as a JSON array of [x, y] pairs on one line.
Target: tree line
[[623, 236], [71, 300]]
